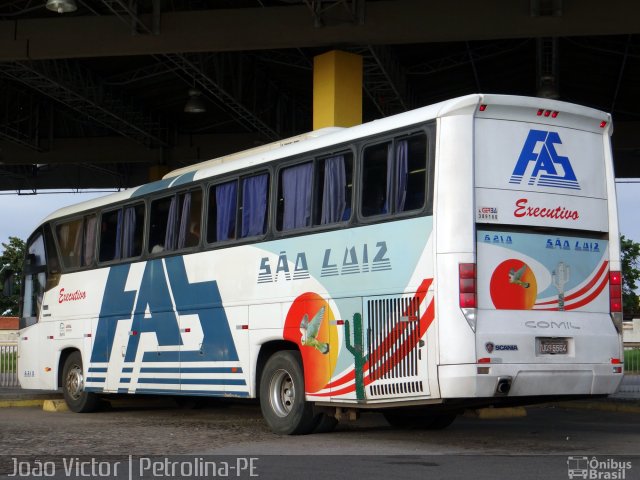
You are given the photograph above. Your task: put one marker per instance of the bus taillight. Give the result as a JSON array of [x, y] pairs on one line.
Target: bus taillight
[[615, 292], [615, 299], [467, 279]]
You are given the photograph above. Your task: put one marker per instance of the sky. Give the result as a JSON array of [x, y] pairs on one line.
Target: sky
[[21, 214]]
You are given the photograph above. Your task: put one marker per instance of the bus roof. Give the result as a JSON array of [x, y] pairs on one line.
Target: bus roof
[[325, 138]]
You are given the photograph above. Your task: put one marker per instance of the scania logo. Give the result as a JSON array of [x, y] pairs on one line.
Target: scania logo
[[549, 169], [490, 346]]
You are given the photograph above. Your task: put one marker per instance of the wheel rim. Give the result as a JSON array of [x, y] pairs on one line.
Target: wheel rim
[[282, 393], [75, 382]]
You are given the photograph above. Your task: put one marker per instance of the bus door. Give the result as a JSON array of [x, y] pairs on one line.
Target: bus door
[[33, 294]]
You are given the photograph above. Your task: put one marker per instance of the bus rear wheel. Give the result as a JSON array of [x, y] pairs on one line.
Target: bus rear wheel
[[282, 398], [73, 384]]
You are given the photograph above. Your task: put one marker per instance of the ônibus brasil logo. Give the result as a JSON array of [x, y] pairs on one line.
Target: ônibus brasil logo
[[549, 168]]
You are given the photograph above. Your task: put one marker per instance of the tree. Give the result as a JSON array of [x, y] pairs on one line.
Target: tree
[[629, 254], [10, 270]]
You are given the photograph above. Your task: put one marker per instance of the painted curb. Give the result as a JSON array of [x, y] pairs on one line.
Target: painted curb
[[496, 413], [55, 406], [21, 403]]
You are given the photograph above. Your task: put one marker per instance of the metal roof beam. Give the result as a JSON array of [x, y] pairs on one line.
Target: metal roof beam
[[386, 22]]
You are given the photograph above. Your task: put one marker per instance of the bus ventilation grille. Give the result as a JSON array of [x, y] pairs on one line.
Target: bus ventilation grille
[[393, 345], [398, 388]]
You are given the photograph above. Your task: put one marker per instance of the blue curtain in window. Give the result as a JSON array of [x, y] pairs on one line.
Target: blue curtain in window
[[296, 192], [226, 195], [402, 162], [185, 216], [129, 230], [118, 253], [335, 182], [254, 205], [171, 233]]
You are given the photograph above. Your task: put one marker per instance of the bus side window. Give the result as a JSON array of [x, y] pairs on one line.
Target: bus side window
[[334, 184], [414, 171], [376, 179], [255, 198], [121, 233], [294, 197], [393, 176], [108, 235], [70, 236], [223, 206], [189, 234], [175, 222]]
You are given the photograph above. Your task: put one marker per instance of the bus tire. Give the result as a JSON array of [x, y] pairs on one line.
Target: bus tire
[[282, 398], [78, 400]]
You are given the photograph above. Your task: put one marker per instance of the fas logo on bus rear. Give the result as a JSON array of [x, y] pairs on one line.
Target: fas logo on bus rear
[[549, 168]]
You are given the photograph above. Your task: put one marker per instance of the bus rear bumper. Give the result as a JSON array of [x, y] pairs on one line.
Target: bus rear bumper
[[523, 380]]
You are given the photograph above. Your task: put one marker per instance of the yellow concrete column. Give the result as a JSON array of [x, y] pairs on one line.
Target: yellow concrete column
[[337, 90]]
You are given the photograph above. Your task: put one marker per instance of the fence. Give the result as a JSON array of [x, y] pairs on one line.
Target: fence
[[9, 365], [631, 382]]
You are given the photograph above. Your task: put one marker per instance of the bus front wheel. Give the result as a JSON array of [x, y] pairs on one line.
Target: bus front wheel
[[73, 383], [282, 398]]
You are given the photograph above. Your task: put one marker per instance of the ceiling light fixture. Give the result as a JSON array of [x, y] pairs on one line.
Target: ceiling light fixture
[[62, 6], [195, 103]]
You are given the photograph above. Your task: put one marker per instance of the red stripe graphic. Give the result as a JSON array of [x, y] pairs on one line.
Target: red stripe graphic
[[583, 290], [397, 353], [585, 300]]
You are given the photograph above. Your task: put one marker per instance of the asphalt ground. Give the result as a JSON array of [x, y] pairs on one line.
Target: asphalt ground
[[623, 401]]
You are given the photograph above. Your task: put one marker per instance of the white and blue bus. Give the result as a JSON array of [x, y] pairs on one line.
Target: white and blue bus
[[460, 255]]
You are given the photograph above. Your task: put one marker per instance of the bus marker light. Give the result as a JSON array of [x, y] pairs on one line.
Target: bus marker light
[[133, 333], [483, 107], [186, 330], [47, 369], [554, 114], [50, 337], [484, 360], [616, 361], [25, 338], [242, 327], [603, 124], [87, 335], [337, 322], [547, 113], [540, 112]]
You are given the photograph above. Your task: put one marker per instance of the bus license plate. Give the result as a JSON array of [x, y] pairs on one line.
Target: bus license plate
[[553, 346]]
